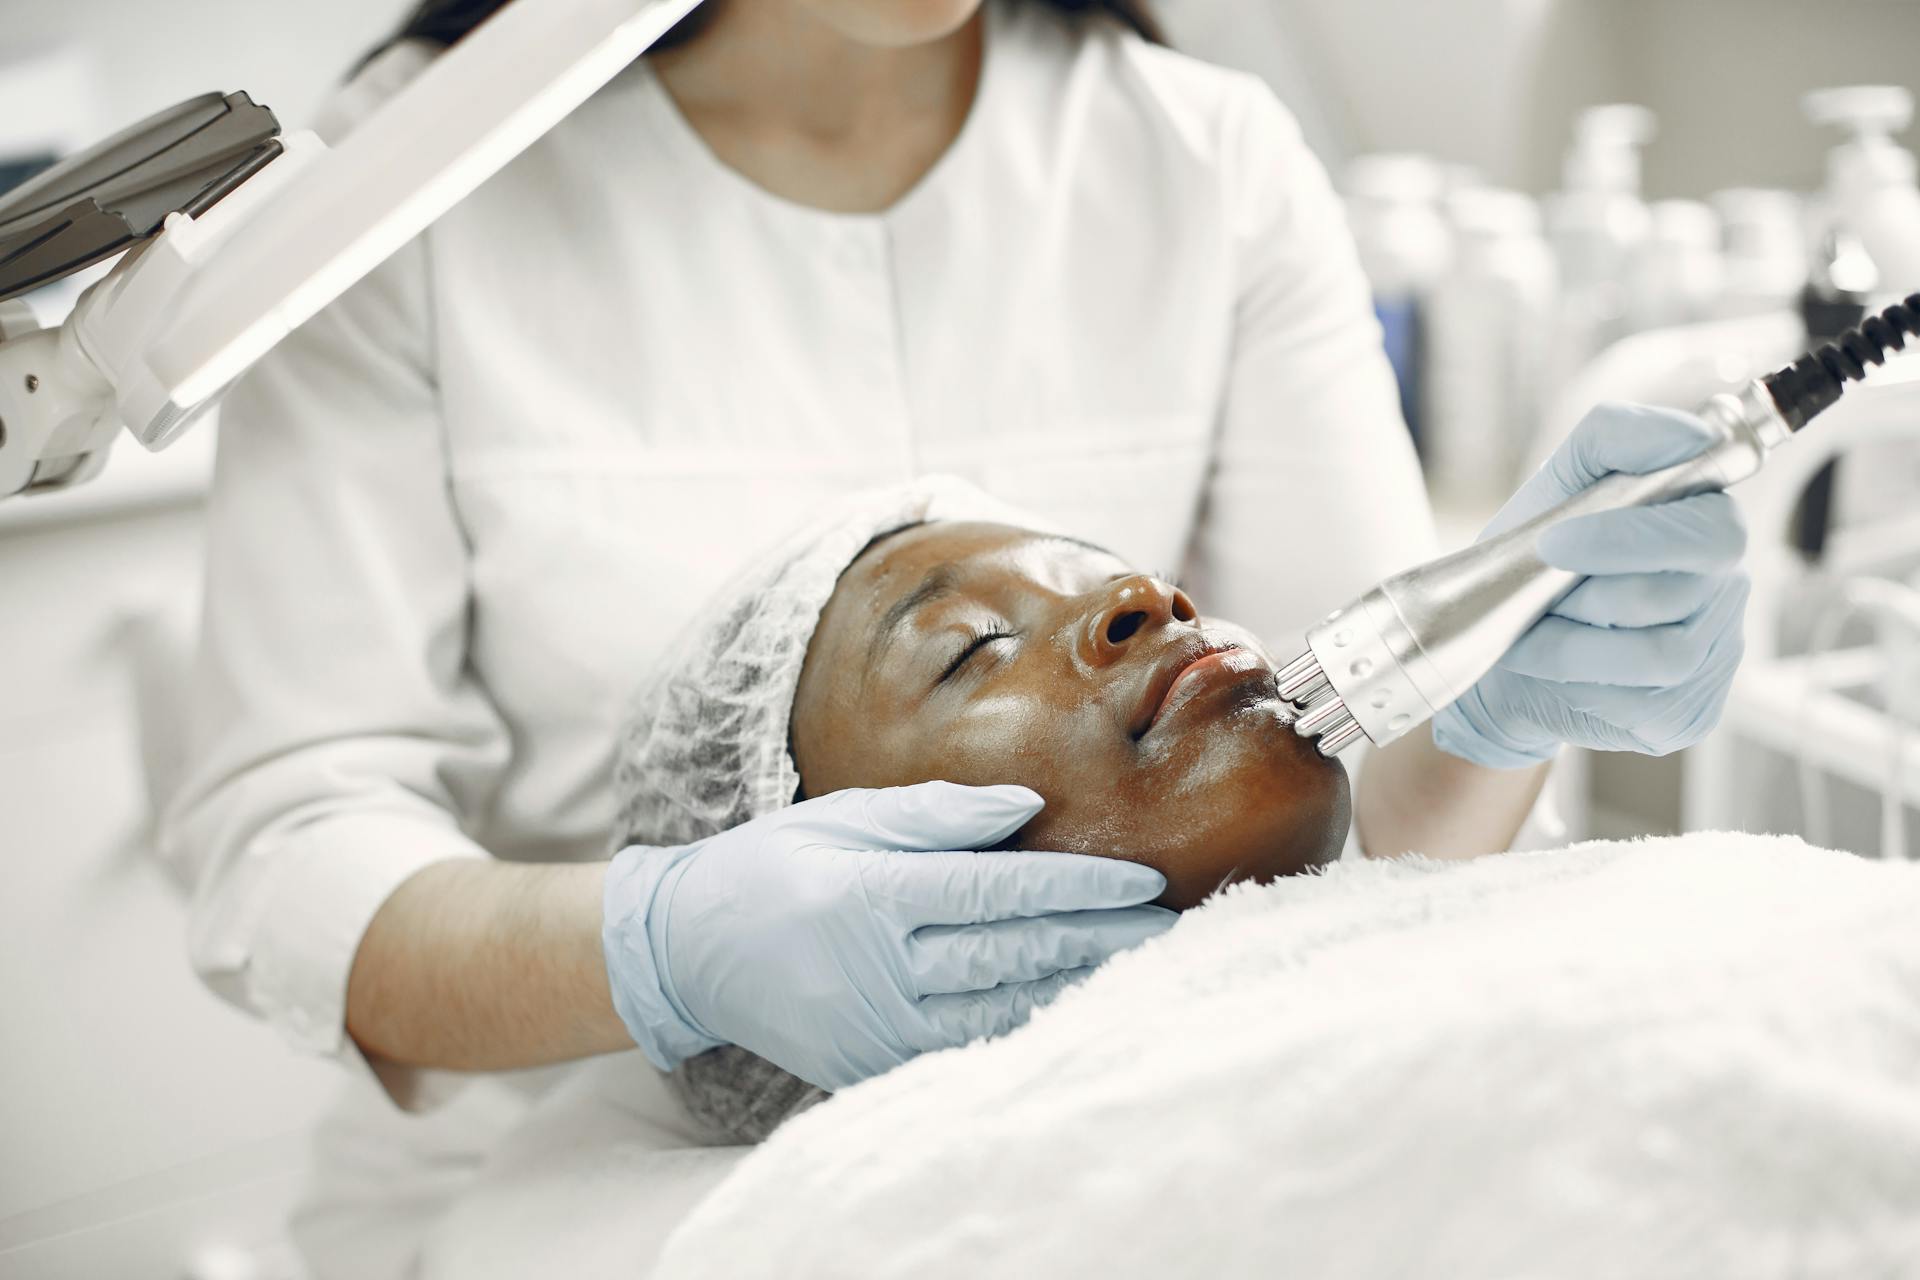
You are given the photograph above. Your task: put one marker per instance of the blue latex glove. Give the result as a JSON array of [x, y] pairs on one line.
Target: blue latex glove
[[1640, 656], [841, 937]]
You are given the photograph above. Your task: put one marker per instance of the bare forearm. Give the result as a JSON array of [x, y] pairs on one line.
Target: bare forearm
[[1414, 797], [486, 966]]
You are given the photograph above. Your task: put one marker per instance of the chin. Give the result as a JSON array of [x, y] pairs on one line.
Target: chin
[[1323, 836], [897, 24], [1285, 812], [1315, 829]]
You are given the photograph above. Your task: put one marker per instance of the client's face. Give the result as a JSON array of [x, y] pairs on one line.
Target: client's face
[[978, 653]]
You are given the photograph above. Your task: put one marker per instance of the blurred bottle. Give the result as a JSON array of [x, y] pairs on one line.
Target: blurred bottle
[[1678, 271], [1871, 194], [1866, 225], [1393, 209], [1489, 327], [1765, 248], [1596, 224]]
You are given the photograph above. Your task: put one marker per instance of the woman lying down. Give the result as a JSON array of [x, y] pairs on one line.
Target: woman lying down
[[1684, 1058], [930, 635]]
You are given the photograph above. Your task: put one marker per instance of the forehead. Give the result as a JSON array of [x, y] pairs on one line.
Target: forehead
[[972, 553]]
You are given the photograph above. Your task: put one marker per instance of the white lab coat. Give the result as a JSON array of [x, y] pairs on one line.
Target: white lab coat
[[463, 512]]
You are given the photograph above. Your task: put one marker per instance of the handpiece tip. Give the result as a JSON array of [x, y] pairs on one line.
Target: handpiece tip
[[1330, 723], [1323, 715], [1302, 680]]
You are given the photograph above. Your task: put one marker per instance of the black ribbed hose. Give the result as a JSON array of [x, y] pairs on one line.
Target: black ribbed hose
[[1813, 383]]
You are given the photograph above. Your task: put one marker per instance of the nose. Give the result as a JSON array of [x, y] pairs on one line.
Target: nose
[[1129, 608]]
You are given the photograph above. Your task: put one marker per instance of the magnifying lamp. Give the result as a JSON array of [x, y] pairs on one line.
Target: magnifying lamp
[[233, 234]]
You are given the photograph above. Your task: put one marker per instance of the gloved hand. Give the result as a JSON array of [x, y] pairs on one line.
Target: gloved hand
[[1640, 656], [843, 936]]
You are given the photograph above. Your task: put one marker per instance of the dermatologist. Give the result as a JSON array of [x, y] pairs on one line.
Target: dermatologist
[[805, 246]]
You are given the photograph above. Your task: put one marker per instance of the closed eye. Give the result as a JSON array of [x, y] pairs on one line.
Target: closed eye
[[975, 643]]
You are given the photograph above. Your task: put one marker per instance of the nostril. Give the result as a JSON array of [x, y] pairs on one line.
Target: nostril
[[1124, 625], [1183, 610]]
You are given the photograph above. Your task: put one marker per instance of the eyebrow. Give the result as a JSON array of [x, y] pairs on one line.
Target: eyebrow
[[939, 583], [1071, 541]]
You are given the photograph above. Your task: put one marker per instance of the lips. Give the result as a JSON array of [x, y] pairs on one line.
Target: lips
[[1160, 684]]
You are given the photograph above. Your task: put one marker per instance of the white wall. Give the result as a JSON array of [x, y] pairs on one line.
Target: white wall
[[1724, 76], [151, 53], [1496, 83], [1449, 77]]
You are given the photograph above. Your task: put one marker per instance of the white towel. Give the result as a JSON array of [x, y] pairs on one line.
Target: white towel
[[1691, 1058]]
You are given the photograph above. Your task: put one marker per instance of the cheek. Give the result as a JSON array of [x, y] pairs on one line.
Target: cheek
[[1277, 814], [1251, 805], [1100, 800], [1034, 734], [1023, 737]]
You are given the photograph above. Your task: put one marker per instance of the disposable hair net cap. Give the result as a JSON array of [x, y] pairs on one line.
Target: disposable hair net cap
[[706, 747]]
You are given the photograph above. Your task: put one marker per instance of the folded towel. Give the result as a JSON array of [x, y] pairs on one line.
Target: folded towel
[[1691, 1058]]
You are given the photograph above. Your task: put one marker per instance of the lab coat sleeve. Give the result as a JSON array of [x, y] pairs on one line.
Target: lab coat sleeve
[[339, 731], [1315, 491]]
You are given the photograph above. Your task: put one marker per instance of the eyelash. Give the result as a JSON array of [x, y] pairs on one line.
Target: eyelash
[[975, 643]]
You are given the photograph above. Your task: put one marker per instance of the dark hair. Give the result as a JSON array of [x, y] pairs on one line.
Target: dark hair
[[443, 22]]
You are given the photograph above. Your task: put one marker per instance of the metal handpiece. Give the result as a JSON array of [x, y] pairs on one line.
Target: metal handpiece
[[1417, 641]]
